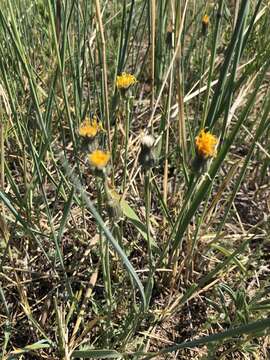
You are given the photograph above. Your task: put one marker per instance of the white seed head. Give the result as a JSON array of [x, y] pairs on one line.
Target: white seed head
[[148, 141]]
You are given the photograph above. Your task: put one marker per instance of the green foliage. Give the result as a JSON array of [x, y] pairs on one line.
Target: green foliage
[[106, 262]]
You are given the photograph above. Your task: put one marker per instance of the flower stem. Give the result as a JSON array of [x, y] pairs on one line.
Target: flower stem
[[147, 195], [127, 123], [105, 259]]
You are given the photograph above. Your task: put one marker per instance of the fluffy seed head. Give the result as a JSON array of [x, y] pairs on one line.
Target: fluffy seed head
[[147, 141], [147, 155]]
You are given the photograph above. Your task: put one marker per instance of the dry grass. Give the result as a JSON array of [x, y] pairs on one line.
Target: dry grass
[[134, 260]]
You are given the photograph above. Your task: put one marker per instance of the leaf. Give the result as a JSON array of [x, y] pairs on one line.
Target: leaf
[[228, 253], [134, 219], [76, 182], [42, 344], [96, 354]]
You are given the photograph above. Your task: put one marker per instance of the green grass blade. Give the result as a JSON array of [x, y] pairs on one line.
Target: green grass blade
[[106, 231]]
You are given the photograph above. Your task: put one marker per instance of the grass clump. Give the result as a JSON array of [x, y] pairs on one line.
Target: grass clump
[[134, 188]]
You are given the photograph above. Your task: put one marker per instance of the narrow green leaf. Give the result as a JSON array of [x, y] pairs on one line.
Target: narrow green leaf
[[257, 328], [134, 219], [66, 212], [96, 354], [105, 229], [41, 344], [228, 253]]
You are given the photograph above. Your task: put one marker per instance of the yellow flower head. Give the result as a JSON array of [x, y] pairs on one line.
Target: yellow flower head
[[99, 159], [90, 127], [206, 144], [205, 20], [125, 80]]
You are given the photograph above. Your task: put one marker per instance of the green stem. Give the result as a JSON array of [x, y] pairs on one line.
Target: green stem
[[212, 60], [104, 253], [147, 194], [127, 122]]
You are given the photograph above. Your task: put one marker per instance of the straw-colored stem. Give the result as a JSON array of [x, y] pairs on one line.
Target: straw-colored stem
[[167, 133], [2, 152], [3, 226], [236, 7], [212, 62], [58, 20], [150, 123], [180, 96], [105, 78], [153, 39]]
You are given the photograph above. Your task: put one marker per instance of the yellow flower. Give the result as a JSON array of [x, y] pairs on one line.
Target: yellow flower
[[206, 144], [205, 20], [99, 159], [125, 80], [90, 127]]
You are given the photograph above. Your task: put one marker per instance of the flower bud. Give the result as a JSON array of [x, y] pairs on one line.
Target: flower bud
[[205, 24]]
